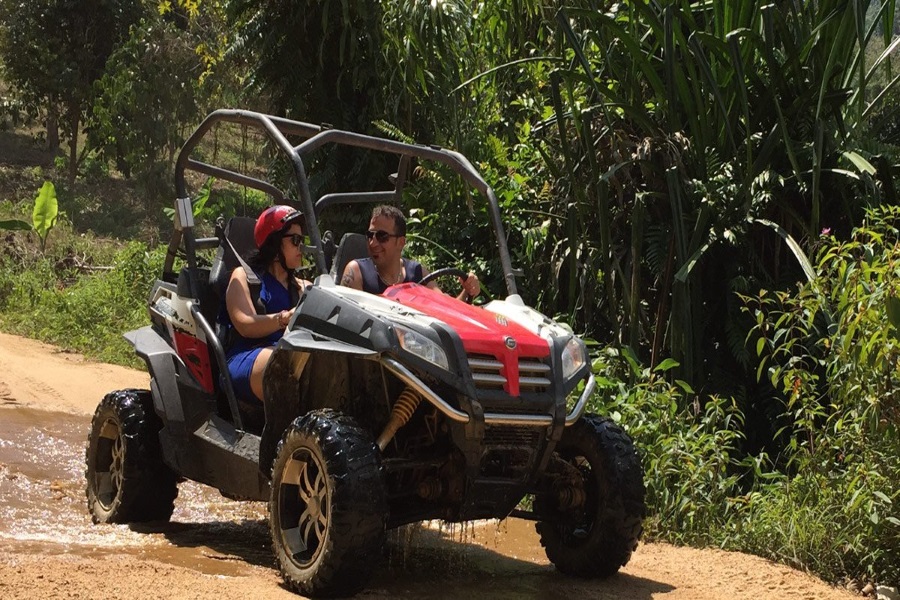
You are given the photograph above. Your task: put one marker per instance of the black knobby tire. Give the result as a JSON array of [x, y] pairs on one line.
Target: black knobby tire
[[328, 505], [127, 481], [597, 538]]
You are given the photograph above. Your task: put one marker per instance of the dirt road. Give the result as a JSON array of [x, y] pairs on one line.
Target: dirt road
[[218, 549]]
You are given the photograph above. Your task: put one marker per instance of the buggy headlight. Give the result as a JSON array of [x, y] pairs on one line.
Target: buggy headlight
[[416, 343], [573, 358]]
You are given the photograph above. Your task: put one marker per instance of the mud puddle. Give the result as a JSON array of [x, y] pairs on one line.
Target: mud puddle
[[42, 502], [43, 510]]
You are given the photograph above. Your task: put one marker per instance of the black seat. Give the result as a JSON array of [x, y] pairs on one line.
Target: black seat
[[352, 247], [239, 232], [237, 243]]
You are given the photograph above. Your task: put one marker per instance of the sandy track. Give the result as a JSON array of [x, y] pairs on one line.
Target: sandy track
[[501, 561]]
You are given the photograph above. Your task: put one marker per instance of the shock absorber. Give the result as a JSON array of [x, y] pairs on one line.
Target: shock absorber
[[404, 407], [571, 497]]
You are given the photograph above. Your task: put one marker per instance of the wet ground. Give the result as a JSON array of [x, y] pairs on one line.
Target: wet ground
[[55, 550], [42, 509]]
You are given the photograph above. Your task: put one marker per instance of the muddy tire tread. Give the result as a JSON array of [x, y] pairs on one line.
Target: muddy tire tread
[[149, 487]]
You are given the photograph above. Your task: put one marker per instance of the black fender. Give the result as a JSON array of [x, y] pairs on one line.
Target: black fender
[[288, 394], [161, 361]]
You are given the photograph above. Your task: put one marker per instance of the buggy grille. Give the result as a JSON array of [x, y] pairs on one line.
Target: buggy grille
[[488, 373], [505, 436]]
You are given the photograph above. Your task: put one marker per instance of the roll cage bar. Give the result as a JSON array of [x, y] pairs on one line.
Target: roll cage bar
[[315, 136]]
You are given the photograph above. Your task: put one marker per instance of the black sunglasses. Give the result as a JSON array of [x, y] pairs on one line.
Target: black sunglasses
[[296, 239], [381, 235]]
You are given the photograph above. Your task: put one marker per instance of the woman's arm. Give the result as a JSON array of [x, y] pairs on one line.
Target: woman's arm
[[243, 314]]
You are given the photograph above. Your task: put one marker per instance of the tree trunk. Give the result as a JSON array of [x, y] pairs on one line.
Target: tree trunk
[[52, 125], [74, 121]]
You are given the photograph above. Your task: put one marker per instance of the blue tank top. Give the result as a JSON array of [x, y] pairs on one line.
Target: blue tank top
[[373, 284], [275, 298]]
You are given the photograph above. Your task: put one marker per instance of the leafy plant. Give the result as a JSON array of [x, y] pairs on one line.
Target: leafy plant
[[691, 455], [88, 312], [54, 51], [43, 216], [198, 203]]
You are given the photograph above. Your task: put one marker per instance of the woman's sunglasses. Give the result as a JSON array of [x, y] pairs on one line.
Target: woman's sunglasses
[[381, 235], [296, 239]]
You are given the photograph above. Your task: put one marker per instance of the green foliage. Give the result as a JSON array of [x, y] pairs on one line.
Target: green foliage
[[673, 131], [88, 313], [451, 228], [690, 454], [198, 203], [148, 96], [14, 225], [43, 215], [318, 61], [79, 291], [835, 513], [54, 51], [45, 212], [832, 349]]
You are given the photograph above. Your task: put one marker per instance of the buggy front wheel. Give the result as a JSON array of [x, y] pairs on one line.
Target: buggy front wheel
[[593, 532], [328, 505]]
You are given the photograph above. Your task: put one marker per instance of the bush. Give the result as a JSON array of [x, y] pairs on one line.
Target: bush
[[833, 350], [690, 453], [86, 312]]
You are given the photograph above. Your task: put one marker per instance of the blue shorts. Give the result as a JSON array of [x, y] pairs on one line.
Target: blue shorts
[[240, 364]]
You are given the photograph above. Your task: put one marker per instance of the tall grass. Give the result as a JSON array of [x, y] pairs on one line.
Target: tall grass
[[674, 128]]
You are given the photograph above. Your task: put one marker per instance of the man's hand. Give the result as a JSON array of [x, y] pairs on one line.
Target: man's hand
[[471, 287]]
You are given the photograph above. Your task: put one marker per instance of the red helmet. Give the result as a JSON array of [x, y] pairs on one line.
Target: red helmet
[[273, 219]]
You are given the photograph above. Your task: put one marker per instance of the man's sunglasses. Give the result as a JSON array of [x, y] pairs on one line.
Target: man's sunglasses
[[296, 239], [381, 235]]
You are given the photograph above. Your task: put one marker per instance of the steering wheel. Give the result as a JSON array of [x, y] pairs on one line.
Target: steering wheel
[[446, 271]]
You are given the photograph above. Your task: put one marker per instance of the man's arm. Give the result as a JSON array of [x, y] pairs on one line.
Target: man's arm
[[351, 276]]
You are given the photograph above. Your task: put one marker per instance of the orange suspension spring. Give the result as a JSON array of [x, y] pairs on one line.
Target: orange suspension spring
[[403, 409]]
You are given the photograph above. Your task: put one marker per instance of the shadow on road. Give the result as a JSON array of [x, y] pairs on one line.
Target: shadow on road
[[423, 562]]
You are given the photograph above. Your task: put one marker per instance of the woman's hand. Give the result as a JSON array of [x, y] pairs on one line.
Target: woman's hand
[[284, 317]]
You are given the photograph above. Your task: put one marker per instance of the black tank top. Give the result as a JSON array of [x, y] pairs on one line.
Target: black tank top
[[373, 284]]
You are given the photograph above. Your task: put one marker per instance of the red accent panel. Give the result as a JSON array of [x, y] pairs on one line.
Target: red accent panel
[[195, 355], [481, 331]]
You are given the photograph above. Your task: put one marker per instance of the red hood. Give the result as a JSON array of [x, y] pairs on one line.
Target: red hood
[[481, 331]]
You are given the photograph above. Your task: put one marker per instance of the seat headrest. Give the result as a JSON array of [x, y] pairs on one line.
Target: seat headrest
[[352, 247], [239, 232]]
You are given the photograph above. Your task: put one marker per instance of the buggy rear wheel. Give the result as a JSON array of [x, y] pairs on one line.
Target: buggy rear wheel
[[592, 521], [328, 505], [127, 480]]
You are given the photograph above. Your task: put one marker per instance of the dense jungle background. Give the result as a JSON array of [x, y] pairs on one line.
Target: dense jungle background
[[705, 190]]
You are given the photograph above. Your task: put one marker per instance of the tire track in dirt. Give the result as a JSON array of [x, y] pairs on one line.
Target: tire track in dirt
[[6, 396]]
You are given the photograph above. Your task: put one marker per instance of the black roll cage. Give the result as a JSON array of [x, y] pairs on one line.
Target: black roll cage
[[277, 129]]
